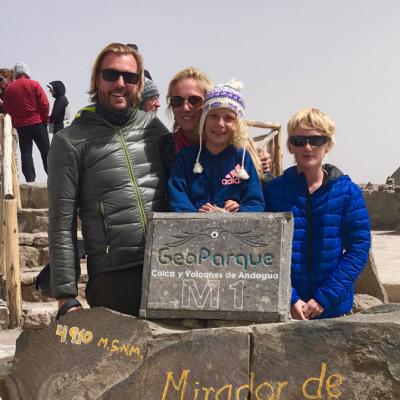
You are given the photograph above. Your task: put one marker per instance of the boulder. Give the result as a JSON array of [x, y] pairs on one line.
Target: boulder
[[101, 354], [4, 315], [369, 282], [364, 301]]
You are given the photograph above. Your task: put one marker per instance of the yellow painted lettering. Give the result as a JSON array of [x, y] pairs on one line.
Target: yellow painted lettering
[[221, 390], [180, 386], [338, 380], [73, 332], [281, 385], [87, 337], [103, 342], [135, 350], [124, 349], [207, 391], [62, 331], [318, 382], [271, 391], [114, 346], [249, 386]]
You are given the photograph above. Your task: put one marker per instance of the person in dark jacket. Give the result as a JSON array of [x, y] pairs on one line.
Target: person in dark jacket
[[57, 116], [106, 164], [331, 238], [26, 102], [220, 173]]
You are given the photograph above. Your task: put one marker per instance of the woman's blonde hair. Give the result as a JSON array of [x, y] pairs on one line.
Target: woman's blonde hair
[[203, 82], [121, 50], [314, 119]]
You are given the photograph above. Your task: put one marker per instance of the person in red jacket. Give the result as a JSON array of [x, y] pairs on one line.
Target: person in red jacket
[[27, 104]]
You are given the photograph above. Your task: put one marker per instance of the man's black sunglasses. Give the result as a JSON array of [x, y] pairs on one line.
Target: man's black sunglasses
[[315, 141], [194, 101], [111, 75]]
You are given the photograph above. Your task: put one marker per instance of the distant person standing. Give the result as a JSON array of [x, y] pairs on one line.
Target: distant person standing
[[57, 117], [26, 102], [150, 96], [6, 78]]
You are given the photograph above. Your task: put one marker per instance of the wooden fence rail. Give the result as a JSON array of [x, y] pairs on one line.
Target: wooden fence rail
[[270, 141], [10, 202]]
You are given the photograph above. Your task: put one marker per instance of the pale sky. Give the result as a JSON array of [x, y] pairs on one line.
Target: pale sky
[[341, 56]]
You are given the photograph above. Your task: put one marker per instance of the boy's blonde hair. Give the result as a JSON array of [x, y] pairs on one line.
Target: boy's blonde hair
[[315, 119]]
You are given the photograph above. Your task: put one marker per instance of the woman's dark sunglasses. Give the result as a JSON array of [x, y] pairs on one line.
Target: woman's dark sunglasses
[[112, 75], [194, 101], [315, 141]]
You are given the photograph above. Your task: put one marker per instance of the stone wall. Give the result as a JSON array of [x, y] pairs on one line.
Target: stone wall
[[383, 203]]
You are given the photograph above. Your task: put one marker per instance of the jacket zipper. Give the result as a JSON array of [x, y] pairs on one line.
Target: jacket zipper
[[133, 181], [309, 244], [105, 226]]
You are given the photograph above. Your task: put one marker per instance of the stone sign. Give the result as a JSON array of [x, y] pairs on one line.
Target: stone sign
[[218, 266]]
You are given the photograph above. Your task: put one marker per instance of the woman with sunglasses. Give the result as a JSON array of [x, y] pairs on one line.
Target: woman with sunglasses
[[331, 226], [222, 173], [185, 97]]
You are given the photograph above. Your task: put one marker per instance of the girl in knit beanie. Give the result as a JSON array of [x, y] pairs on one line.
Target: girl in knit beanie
[[222, 172]]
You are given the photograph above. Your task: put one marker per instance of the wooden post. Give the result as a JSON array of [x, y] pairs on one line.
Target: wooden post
[[13, 277], [278, 157], [273, 143], [2, 264], [7, 159], [14, 169]]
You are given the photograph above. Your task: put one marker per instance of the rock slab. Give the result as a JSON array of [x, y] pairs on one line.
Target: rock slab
[[100, 354]]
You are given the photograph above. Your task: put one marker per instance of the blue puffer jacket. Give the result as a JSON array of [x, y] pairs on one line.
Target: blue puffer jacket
[[331, 236]]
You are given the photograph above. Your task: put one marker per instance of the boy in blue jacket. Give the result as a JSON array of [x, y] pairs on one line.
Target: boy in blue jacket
[[219, 174], [331, 238]]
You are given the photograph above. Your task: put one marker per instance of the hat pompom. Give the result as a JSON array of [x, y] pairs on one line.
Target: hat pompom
[[243, 175], [197, 169], [235, 84]]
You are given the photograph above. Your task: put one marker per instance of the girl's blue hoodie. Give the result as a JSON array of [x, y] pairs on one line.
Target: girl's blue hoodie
[[217, 183]]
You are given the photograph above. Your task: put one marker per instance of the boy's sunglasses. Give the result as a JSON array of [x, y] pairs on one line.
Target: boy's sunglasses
[[194, 101], [315, 141], [112, 75]]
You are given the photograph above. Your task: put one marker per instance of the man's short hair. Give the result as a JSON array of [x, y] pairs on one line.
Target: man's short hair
[[312, 118], [121, 50], [133, 46]]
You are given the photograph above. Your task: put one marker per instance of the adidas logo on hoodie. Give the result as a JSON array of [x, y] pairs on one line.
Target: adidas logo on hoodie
[[232, 178]]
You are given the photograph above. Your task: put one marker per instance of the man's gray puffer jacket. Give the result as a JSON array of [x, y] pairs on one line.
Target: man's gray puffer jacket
[[113, 177]]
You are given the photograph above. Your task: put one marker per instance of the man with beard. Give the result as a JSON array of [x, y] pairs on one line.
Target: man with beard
[[106, 164]]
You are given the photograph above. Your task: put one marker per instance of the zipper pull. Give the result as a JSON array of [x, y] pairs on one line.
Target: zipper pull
[[107, 250]]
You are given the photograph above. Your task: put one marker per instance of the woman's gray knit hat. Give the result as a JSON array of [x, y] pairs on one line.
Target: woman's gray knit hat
[[21, 68], [150, 89]]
